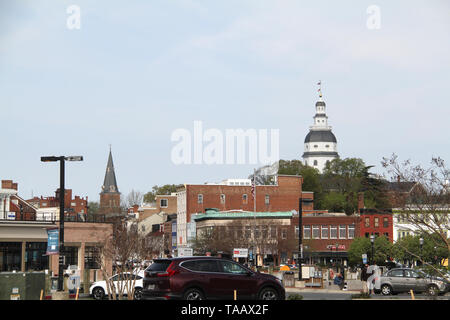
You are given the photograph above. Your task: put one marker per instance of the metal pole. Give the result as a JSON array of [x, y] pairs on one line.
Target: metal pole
[[372, 254], [300, 248], [61, 226]]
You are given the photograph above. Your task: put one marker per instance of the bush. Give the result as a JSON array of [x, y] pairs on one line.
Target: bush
[[295, 296], [361, 295]]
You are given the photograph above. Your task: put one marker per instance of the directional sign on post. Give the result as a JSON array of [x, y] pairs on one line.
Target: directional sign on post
[[364, 258]]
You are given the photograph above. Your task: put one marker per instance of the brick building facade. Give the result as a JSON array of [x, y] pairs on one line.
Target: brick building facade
[[72, 206], [283, 196]]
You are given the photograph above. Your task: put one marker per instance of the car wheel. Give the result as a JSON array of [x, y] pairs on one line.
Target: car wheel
[[386, 290], [433, 290], [138, 294], [98, 293], [268, 294], [193, 294]]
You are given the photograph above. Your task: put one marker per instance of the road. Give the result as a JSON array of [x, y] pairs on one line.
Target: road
[[346, 295]]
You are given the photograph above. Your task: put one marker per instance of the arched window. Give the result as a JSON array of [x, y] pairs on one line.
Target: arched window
[[315, 162]]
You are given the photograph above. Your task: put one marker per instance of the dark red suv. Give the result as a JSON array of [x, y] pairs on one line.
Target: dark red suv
[[198, 278]]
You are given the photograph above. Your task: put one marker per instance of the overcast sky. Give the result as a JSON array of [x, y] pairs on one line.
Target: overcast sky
[[138, 70]]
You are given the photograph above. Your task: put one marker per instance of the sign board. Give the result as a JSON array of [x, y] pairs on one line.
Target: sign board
[[11, 216], [333, 247], [52, 241], [185, 252], [240, 253], [15, 297], [364, 258]]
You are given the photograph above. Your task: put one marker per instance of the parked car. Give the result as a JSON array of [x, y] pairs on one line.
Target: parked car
[[405, 279], [199, 278], [98, 289]]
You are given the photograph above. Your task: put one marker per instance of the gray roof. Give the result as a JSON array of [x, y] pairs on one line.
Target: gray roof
[[320, 153], [110, 183], [320, 136]]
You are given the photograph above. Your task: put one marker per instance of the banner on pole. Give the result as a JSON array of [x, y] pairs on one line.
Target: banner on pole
[[53, 241]]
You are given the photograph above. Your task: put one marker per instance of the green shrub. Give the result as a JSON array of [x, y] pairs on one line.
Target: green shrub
[[295, 296]]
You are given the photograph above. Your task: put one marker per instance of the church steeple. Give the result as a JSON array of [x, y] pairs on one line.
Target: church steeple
[[110, 182], [110, 195]]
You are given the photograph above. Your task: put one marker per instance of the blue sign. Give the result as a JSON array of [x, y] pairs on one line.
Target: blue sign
[[53, 241]]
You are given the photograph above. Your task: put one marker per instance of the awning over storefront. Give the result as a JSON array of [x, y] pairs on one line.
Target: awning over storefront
[[23, 233]]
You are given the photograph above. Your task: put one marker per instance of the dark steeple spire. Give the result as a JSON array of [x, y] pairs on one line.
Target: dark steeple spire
[[110, 183]]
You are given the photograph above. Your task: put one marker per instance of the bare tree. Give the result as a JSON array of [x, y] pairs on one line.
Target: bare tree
[[122, 250], [134, 198], [426, 206]]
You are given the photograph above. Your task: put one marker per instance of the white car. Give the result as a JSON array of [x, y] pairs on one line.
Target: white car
[[98, 289]]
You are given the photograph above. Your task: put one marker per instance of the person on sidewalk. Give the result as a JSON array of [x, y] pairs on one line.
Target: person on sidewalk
[[364, 278]]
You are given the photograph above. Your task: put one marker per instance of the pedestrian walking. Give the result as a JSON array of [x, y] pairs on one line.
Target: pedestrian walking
[[364, 278]]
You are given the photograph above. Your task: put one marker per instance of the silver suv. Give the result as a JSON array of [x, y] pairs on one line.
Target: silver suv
[[405, 279]]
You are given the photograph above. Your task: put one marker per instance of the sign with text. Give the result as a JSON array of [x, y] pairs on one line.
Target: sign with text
[[240, 253], [185, 252], [53, 241]]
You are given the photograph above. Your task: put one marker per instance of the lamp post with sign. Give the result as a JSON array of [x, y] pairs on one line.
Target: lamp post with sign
[[372, 240], [300, 234], [62, 192]]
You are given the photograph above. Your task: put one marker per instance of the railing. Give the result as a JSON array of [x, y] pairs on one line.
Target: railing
[[51, 217]]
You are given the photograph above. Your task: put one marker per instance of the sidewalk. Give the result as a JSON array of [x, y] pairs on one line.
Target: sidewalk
[[298, 290]]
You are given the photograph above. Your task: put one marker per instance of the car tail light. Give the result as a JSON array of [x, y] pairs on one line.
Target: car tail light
[[171, 270]]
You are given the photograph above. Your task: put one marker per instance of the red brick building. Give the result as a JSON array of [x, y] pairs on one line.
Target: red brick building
[[379, 223], [326, 236], [283, 196], [72, 206]]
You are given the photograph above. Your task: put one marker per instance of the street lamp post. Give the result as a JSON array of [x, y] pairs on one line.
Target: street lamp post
[[62, 193], [300, 235], [372, 240], [421, 247]]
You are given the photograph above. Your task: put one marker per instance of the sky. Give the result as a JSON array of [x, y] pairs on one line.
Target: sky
[[136, 71]]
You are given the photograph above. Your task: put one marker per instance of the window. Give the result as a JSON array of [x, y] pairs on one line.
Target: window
[[163, 203], [296, 232], [396, 273], [377, 222], [35, 258], [248, 232], [244, 198], [265, 232], [231, 267], [71, 255], [386, 234], [257, 233], [91, 258], [267, 199], [324, 232], [315, 162], [200, 198], [316, 232], [73, 204], [273, 232], [351, 231], [307, 232], [284, 233], [333, 232], [367, 222], [385, 222], [342, 232], [201, 265], [222, 198]]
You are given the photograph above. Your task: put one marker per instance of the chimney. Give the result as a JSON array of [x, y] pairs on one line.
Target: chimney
[[360, 201], [398, 178], [14, 186], [7, 184]]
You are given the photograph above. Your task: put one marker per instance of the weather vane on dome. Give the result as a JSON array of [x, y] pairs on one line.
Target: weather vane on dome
[[320, 88]]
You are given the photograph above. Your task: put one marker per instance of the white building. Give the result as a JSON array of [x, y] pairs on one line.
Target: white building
[[320, 143]]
